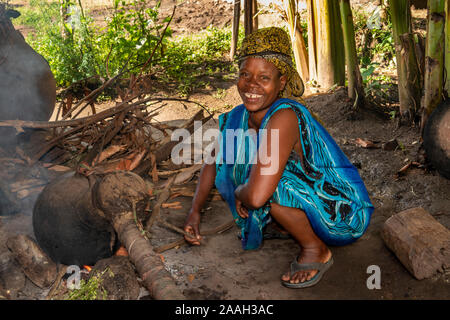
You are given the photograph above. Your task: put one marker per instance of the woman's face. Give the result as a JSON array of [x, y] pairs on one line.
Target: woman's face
[[259, 84]]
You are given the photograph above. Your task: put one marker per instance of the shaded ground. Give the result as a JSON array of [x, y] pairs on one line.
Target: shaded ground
[[220, 269]]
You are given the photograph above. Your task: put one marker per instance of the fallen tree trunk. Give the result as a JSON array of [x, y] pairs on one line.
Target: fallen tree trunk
[[119, 195]]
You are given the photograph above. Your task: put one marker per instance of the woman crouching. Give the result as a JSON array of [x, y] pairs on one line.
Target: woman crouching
[[308, 186]]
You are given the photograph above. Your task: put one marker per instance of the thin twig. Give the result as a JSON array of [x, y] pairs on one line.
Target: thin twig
[[182, 241], [172, 227]]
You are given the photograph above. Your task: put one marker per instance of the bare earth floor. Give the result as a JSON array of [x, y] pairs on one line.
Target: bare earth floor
[[220, 269]]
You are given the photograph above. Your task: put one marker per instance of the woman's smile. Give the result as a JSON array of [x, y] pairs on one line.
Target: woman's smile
[[259, 84], [252, 96]]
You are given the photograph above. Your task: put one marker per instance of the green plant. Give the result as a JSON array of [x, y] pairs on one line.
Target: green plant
[[220, 94], [91, 289], [376, 42], [392, 114], [375, 84], [132, 34], [78, 48], [189, 58]]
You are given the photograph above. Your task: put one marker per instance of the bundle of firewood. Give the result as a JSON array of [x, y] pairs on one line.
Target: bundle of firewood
[[119, 138]]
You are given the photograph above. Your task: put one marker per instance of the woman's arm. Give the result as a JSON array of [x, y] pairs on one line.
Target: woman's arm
[[204, 186], [265, 175]]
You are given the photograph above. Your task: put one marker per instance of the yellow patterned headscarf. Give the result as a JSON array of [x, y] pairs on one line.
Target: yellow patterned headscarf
[[273, 44]]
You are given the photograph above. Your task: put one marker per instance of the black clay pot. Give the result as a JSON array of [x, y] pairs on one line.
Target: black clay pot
[[68, 227]]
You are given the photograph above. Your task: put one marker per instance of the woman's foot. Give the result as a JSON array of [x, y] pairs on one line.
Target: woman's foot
[[308, 255]]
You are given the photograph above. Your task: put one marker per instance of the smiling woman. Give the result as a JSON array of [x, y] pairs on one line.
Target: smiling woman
[[259, 84], [314, 193]]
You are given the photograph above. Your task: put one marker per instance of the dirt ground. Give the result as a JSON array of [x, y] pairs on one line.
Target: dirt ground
[[221, 269]]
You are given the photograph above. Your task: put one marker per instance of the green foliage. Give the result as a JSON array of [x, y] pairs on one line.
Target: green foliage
[[132, 34], [79, 49], [38, 19], [91, 289], [376, 51], [187, 58], [68, 56], [376, 42]]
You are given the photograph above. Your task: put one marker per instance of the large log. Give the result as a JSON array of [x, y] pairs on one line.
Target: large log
[[120, 195], [420, 242], [36, 265]]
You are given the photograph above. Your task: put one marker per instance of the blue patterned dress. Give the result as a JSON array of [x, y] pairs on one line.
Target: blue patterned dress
[[326, 186]]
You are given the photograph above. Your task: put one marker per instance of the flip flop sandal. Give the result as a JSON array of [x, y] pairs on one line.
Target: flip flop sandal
[[295, 267]]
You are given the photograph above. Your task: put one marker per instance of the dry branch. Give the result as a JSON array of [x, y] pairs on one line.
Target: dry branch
[[162, 197], [180, 242]]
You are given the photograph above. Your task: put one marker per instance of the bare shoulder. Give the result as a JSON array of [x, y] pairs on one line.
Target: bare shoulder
[[283, 119]]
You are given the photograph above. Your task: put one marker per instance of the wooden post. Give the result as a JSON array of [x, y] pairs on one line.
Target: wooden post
[[235, 27], [248, 14], [64, 13]]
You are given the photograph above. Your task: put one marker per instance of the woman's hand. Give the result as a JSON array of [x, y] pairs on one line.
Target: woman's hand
[[191, 226], [242, 211]]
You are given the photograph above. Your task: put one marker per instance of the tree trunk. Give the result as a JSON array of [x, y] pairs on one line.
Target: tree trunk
[[337, 43], [119, 196], [312, 39], [326, 48], [434, 58], [235, 28], [298, 43], [407, 68], [447, 50], [355, 84], [255, 14], [248, 16]]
